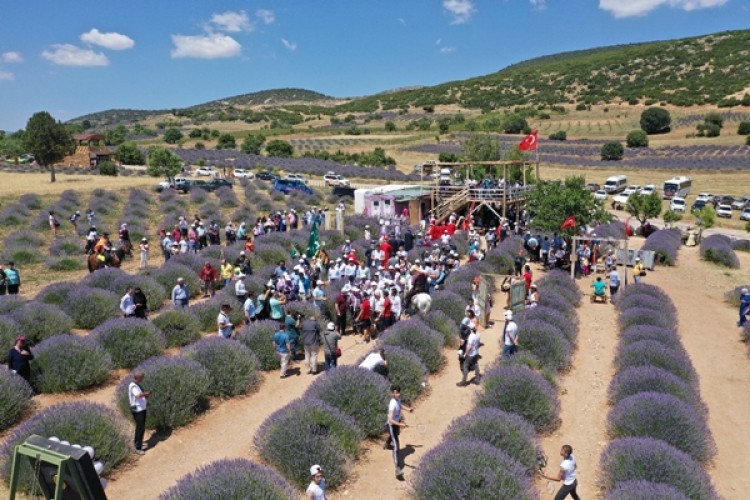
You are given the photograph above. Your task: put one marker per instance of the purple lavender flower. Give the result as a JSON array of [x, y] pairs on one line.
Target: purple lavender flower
[[627, 490], [129, 341], [415, 336], [653, 353], [233, 368], [15, 398], [68, 363]]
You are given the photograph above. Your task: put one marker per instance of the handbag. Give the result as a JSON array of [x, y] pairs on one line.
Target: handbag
[[643, 272]]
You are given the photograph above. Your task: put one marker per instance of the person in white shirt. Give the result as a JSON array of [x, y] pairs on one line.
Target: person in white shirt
[[138, 399], [127, 305], [470, 359], [395, 304], [225, 325], [316, 490], [376, 362], [395, 422], [239, 287], [510, 336], [567, 475]]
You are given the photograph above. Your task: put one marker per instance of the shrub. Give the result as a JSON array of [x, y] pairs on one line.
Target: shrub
[[643, 288], [83, 422], [612, 150], [179, 391], [643, 316], [666, 417], [258, 337], [468, 468], [518, 389], [323, 435], [545, 342], [506, 431], [39, 321], [637, 139], [129, 341], [9, 330], [626, 490], [233, 368], [270, 253], [568, 328], [103, 278], [405, 369], [155, 293], [647, 301], [653, 353], [415, 336], [179, 326], [741, 245], [68, 363], [231, 478], [717, 249], [360, 393], [635, 333], [167, 276], [441, 323], [654, 460], [571, 295], [15, 398], [66, 246], [9, 303], [90, 307], [56, 293], [451, 304], [665, 243], [64, 263], [560, 135], [208, 310]]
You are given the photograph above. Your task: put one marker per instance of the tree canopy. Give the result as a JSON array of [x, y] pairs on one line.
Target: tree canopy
[[644, 207], [163, 163], [656, 120], [253, 143], [129, 154], [48, 140], [554, 201], [279, 148], [226, 141]]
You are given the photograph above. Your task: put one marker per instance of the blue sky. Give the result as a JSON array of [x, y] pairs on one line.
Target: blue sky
[[79, 56]]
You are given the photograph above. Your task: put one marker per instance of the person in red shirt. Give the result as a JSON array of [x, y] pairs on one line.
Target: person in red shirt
[[340, 305], [527, 278], [434, 231], [386, 248], [363, 318], [208, 278]]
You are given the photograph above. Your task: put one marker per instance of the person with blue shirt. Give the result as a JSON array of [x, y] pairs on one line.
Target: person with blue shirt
[[180, 294], [12, 278], [614, 282], [599, 289], [744, 306], [283, 349]]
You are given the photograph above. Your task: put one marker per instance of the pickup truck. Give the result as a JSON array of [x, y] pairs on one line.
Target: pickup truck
[[620, 201], [332, 179]]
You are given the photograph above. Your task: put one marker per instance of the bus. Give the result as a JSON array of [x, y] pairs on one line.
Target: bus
[[677, 187]]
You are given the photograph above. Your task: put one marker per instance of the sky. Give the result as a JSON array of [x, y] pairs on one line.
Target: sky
[[75, 57]]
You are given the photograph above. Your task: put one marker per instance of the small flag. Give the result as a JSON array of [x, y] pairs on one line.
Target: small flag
[[313, 244], [628, 229], [569, 222], [529, 142]]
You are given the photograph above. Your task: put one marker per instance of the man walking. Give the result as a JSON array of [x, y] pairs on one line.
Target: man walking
[[180, 294], [283, 349], [310, 330], [395, 423], [138, 399], [510, 336], [470, 358]]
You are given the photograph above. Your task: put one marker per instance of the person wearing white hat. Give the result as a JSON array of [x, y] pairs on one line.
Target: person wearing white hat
[[317, 488], [331, 350], [319, 295], [510, 336]]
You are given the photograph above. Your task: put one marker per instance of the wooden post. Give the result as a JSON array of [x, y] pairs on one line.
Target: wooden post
[[505, 191]]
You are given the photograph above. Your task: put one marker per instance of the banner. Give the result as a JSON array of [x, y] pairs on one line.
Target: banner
[[313, 244], [529, 142]]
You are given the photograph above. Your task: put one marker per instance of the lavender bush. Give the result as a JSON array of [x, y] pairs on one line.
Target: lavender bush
[[545, 342], [193, 261], [39, 321], [180, 389], [640, 379], [654, 460], [90, 307], [732, 297], [82, 422], [665, 243], [270, 253], [646, 301], [68, 363], [660, 297], [414, 335], [129, 341], [233, 368], [231, 478], [56, 293], [520, 390], [323, 435], [156, 295], [103, 278], [626, 490], [552, 300], [441, 323], [468, 468], [570, 295], [746, 332], [15, 398], [9, 330], [507, 432], [568, 328], [9, 303], [614, 229], [64, 263], [179, 326], [665, 417], [461, 288], [405, 369], [66, 246], [653, 353], [647, 317], [666, 336], [31, 201], [717, 248], [360, 393], [258, 337], [741, 245], [167, 276], [451, 304]]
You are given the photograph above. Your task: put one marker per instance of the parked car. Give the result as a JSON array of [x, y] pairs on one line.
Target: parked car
[[741, 203], [745, 215], [241, 173], [677, 205], [215, 184], [632, 189], [724, 211], [698, 205], [600, 195], [620, 201], [295, 177], [192, 184], [704, 197], [265, 175], [26, 158], [206, 171], [332, 179], [723, 199], [171, 183], [648, 190], [287, 186], [592, 186]]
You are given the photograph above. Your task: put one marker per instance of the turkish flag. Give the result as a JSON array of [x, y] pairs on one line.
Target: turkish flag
[[569, 222], [529, 142]]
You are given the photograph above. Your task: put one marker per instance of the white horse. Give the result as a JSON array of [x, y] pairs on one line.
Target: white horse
[[422, 302]]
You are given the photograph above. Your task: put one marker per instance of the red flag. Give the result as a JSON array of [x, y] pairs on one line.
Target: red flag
[[569, 222], [529, 142], [628, 229]]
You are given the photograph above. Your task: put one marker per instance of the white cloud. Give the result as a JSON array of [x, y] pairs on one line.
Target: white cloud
[[232, 22], [447, 50], [6, 75], [459, 10], [70, 55], [628, 8], [289, 45], [401, 20], [211, 46], [112, 41], [538, 4], [11, 57], [265, 15], [438, 41]]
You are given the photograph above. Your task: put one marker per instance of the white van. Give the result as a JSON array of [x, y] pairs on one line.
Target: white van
[[616, 184], [445, 177]]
